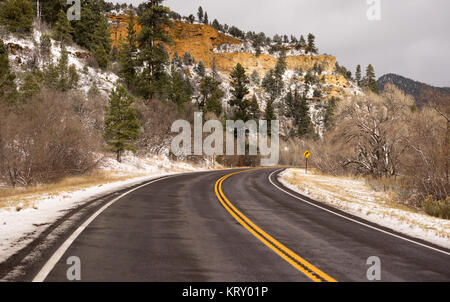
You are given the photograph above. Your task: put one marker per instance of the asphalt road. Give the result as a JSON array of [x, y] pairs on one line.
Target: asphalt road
[[180, 229]]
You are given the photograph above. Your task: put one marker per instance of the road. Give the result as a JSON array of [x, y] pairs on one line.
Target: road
[[204, 227]]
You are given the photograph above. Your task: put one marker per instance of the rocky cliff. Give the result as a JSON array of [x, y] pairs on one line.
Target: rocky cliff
[[203, 40]]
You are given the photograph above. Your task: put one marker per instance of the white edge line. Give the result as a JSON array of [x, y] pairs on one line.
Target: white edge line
[[54, 259], [353, 220]]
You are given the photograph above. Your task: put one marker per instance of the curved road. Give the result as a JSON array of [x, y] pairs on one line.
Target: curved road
[[183, 228]]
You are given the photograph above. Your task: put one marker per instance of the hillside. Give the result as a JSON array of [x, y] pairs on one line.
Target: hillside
[[212, 47], [423, 93]]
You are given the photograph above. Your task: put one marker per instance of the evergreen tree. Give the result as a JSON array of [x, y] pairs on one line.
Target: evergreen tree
[[296, 107], [93, 28], [329, 118], [205, 19], [187, 59], [311, 47], [254, 77], [62, 28], [7, 86], [200, 14], [128, 55], [179, 88], [269, 115], [30, 86], [370, 82], [200, 69], [121, 125], [45, 46], [50, 10], [255, 112], [211, 96], [153, 55], [358, 75], [217, 25], [191, 18], [61, 76], [301, 43], [273, 81], [304, 118], [239, 82], [176, 60], [17, 15], [101, 56]]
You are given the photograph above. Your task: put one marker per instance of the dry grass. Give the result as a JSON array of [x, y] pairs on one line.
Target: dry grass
[[26, 196], [344, 187]]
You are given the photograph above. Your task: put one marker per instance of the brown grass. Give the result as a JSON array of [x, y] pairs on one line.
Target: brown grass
[[25, 197]]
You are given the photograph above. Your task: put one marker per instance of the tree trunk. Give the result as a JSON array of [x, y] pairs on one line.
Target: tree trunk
[[119, 156]]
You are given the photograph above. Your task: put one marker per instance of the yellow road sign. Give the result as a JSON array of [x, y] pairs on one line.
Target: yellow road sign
[[306, 154]]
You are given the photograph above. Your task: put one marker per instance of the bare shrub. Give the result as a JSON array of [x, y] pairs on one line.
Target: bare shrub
[[387, 139], [44, 140], [156, 119]]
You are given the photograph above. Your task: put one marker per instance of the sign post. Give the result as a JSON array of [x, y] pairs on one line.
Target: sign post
[[306, 155]]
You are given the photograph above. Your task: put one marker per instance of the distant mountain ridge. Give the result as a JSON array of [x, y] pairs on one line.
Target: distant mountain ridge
[[423, 93]]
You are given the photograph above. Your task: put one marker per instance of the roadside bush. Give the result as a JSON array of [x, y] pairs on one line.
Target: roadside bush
[[43, 140], [156, 119], [437, 208]]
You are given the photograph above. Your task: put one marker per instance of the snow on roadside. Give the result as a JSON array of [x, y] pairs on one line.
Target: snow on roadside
[[18, 228], [357, 198]]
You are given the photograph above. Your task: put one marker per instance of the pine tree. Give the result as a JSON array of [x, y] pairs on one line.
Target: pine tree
[[17, 15], [128, 55], [30, 86], [200, 69], [370, 82], [211, 96], [62, 29], [200, 14], [304, 118], [301, 43], [205, 19], [273, 81], [239, 82], [358, 75], [121, 125], [179, 88], [217, 25], [296, 107], [269, 115], [311, 47], [176, 60], [153, 55], [254, 77], [191, 18], [93, 28], [7, 86], [61, 76], [45, 46], [255, 112], [101, 56], [329, 117], [187, 59]]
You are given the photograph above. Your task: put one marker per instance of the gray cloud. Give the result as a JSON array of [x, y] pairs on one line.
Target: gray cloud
[[412, 39]]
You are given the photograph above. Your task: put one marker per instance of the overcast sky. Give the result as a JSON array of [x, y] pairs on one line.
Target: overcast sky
[[411, 39]]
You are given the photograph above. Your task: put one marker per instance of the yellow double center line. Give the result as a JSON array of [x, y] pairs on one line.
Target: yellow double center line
[[292, 258]]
